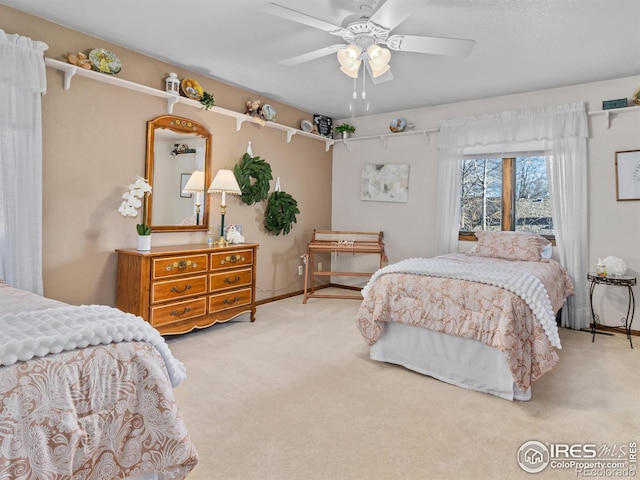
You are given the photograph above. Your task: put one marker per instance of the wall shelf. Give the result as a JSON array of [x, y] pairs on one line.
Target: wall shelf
[[383, 137], [607, 113], [71, 70]]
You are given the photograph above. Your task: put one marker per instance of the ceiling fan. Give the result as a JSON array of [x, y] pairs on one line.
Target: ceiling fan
[[365, 36]]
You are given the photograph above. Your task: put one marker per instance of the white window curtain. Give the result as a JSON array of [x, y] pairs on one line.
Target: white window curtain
[[561, 131], [22, 82]]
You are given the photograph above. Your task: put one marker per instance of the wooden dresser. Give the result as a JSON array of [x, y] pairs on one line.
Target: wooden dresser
[[179, 288]]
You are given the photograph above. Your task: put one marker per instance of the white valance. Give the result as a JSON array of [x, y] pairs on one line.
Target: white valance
[[518, 126], [22, 62]]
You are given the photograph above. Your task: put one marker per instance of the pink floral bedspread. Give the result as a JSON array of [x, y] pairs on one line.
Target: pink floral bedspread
[[472, 310], [101, 412]]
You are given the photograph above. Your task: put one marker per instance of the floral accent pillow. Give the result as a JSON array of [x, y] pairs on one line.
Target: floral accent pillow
[[522, 246]]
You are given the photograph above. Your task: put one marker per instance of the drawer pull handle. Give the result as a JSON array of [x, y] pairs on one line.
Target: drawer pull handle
[[232, 280], [232, 259], [181, 265], [175, 289], [230, 301], [175, 313]]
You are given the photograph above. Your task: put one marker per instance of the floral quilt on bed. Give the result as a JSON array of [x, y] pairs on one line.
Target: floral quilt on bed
[[473, 310]]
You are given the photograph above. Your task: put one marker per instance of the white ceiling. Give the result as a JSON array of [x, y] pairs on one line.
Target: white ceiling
[[521, 45]]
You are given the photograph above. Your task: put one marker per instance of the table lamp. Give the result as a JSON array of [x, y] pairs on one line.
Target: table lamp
[[195, 184], [224, 182]]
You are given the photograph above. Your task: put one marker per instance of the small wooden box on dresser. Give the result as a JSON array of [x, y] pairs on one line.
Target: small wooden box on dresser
[[179, 288]]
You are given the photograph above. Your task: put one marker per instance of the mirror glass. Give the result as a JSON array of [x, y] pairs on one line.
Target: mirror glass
[[176, 148]]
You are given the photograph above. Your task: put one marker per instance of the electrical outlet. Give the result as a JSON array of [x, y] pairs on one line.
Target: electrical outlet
[[300, 270], [319, 266]]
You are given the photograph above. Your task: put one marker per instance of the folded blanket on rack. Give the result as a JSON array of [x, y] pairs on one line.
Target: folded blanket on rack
[[40, 332], [523, 284]]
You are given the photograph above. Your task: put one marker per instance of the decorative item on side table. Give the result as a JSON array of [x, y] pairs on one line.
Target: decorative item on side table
[[224, 182], [345, 130], [133, 200], [636, 97]]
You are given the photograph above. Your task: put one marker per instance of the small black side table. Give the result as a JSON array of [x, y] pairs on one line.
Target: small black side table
[[616, 281]]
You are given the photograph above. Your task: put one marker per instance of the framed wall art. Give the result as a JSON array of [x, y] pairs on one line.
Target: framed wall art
[[628, 175], [184, 178], [385, 182]]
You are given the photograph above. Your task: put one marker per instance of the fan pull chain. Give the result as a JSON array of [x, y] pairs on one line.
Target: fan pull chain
[[364, 78], [355, 95]]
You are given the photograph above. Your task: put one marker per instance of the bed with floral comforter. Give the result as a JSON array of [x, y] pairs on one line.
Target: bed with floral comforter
[[485, 296], [101, 411]]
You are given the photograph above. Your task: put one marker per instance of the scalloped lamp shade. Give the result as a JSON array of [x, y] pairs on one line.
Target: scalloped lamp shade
[[225, 182]]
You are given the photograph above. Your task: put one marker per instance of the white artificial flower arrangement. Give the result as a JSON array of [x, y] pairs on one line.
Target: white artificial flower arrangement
[[133, 200]]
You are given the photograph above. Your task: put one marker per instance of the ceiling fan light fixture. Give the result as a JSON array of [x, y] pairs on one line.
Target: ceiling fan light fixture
[[349, 59], [378, 60]]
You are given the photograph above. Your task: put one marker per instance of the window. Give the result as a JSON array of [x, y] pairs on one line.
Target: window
[[505, 194]]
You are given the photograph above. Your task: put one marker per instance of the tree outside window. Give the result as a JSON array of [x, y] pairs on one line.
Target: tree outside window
[[505, 194]]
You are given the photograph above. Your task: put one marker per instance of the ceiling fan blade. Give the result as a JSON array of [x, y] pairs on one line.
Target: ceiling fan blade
[[385, 77], [284, 12], [433, 45], [393, 12], [313, 55]]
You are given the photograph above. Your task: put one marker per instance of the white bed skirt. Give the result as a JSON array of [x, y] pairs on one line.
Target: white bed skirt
[[459, 361]]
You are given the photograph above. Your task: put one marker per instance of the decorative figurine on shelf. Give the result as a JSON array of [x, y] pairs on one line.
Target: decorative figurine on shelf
[[172, 84], [79, 60], [254, 108]]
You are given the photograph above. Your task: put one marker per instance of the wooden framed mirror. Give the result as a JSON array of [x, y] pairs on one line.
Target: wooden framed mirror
[[176, 148]]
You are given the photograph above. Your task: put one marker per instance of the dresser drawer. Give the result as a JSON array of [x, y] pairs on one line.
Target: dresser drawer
[[178, 265], [238, 258], [178, 288], [177, 311], [230, 279], [222, 301]]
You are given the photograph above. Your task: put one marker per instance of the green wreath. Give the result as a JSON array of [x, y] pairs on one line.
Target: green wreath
[[281, 213], [257, 169]]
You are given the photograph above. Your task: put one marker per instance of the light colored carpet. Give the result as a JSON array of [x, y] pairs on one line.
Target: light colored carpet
[[295, 396]]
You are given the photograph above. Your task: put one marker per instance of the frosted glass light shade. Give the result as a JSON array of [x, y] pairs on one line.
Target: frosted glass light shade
[[378, 60], [349, 59]]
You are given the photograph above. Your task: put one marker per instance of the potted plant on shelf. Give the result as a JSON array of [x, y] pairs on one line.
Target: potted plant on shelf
[[207, 100], [345, 130], [133, 200]]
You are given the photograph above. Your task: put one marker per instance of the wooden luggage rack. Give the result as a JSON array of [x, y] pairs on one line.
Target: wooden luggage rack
[[329, 241]]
